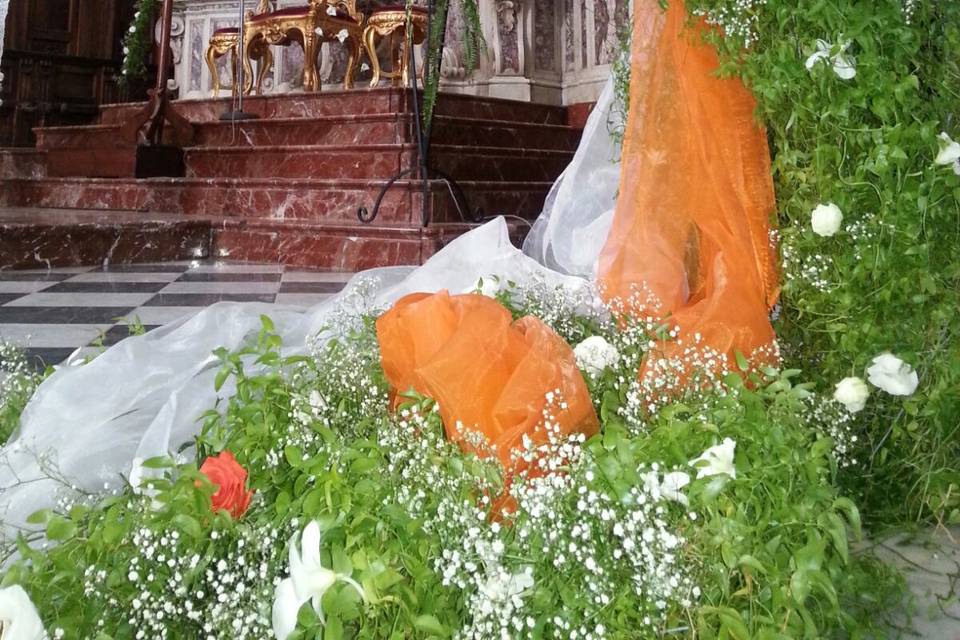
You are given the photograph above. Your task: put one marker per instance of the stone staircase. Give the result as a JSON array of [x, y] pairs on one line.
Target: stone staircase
[[288, 186]]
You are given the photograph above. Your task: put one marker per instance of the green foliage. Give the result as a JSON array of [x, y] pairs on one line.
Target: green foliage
[[18, 381], [768, 550], [890, 279], [138, 41], [471, 40]]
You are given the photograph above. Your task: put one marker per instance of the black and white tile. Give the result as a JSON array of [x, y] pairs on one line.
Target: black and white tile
[[52, 313]]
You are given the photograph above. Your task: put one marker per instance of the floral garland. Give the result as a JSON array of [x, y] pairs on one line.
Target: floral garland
[[138, 41]]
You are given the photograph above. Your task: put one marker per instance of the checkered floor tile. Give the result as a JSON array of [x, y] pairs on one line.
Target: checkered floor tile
[[51, 313]]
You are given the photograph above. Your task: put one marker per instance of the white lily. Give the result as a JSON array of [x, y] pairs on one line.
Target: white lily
[[331, 10], [504, 587], [672, 487], [949, 152], [286, 607], [19, 619], [309, 580], [716, 460], [342, 35], [843, 65], [893, 375]]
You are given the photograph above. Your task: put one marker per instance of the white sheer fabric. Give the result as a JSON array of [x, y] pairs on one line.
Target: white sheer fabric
[[578, 212], [141, 398]]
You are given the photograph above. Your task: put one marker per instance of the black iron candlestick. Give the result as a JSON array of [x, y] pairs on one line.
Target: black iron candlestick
[[237, 99], [423, 132]]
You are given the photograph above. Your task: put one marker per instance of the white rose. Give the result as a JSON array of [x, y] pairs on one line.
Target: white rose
[[716, 460], [893, 375], [18, 617], [852, 393], [826, 219], [596, 354], [949, 153]]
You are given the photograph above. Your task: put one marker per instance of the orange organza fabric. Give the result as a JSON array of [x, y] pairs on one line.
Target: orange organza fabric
[[690, 237], [487, 372]]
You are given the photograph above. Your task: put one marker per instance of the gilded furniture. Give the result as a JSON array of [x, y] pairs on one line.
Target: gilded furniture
[[309, 26], [225, 41], [391, 21]]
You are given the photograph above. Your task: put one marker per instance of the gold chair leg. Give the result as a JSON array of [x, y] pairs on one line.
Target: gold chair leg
[[266, 63], [248, 44], [370, 41], [353, 60], [404, 74], [235, 87], [310, 49], [214, 73]]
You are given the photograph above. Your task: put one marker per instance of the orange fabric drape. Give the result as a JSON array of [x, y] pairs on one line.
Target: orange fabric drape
[[487, 372], [691, 231], [690, 237]]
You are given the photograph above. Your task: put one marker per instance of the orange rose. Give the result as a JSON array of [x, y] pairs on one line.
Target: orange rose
[[231, 480]]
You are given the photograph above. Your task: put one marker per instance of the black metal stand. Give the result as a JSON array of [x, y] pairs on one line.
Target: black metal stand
[[423, 131], [238, 114]]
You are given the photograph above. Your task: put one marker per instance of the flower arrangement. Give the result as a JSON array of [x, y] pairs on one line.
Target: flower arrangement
[[314, 505], [308, 508]]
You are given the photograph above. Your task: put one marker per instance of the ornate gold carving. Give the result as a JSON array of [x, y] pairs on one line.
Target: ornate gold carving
[[222, 44], [393, 24], [308, 29]]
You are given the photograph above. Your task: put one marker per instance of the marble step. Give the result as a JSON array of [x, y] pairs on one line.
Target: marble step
[[334, 130], [382, 129], [338, 248], [44, 238], [462, 162], [353, 102], [17, 162], [331, 201]]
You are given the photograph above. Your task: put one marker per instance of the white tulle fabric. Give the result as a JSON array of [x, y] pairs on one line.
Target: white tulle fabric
[[576, 218]]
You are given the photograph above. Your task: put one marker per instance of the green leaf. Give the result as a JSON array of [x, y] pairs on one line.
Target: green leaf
[[59, 528], [846, 506], [431, 625], [40, 517], [188, 524]]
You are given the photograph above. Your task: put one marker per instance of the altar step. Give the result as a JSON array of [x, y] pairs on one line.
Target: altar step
[[370, 161], [287, 186], [336, 201], [354, 102], [45, 238], [345, 130]]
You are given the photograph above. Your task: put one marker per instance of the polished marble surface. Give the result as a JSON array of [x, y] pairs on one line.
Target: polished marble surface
[[52, 313]]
